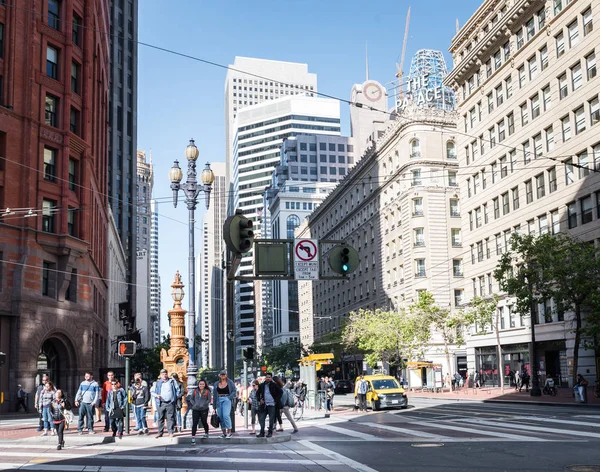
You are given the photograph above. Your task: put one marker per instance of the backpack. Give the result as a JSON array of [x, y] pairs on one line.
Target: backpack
[[290, 399]]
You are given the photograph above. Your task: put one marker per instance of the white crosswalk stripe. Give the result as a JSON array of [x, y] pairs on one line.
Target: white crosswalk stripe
[[348, 432], [408, 432], [532, 428], [496, 434]]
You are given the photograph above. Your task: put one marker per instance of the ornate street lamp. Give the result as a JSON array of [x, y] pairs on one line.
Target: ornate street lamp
[[191, 189]]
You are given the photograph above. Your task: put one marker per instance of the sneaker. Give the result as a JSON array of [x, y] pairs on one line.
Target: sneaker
[[121, 436], [140, 432], [53, 432], [228, 436], [205, 436], [92, 432], [223, 436], [45, 433], [269, 434], [295, 431], [59, 447], [159, 435], [171, 435], [260, 435], [146, 431], [80, 433]]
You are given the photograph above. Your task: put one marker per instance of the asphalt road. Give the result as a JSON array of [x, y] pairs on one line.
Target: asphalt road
[[432, 435]]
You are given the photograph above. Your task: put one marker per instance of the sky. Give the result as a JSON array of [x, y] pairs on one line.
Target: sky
[[181, 98]]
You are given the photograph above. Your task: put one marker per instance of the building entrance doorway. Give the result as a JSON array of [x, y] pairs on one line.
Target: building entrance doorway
[[56, 359]]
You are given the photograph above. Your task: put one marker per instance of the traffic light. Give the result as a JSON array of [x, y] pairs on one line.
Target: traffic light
[[248, 353], [238, 234], [343, 259], [127, 348]]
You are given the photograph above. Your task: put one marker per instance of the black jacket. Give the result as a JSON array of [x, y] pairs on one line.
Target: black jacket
[[275, 390]]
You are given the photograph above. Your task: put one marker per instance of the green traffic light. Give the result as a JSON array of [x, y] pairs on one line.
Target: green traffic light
[[345, 267]]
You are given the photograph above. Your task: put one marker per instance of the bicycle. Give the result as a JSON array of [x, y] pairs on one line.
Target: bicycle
[[298, 411]]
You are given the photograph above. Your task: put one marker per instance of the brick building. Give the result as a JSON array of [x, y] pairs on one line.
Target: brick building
[[54, 82]]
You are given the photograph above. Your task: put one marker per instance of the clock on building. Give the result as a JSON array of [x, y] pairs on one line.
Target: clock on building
[[373, 91]]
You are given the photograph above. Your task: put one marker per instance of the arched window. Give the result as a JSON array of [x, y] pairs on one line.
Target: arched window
[[415, 148], [292, 223], [450, 150]]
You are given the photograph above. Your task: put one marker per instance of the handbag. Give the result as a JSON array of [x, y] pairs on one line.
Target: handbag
[[215, 420]]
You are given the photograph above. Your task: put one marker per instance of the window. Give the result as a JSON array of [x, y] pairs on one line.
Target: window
[[533, 70], [549, 138], [72, 173], [496, 203], [538, 149], [75, 77], [594, 111], [596, 151], [416, 177], [51, 115], [420, 267], [547, 98], [526, 152], [535, 106], [586, 209], [569, 174], [458, 297], [515, 198], [452, 178], [49, 164], [292, 223], [511, 123], [573, 34], [71, 221], [560, 45], [501, 131], [77, 23], [543, 224], [579, 120], [588, 25], [563, 89], [555, 221], [558, 6], [479, 251], [74, 121], [417, 207], [490, 101], [488, 68], [519, 39], [457, 267], [454, 208], [48, 215], [521, 71], [415, 148], [566, 128], [492, 136], [450, 150], [530, 28], [497, 59], [552, 184], [508, 85], [477, 217], [576, 76], [506, 50], [498, 244], [572, 215], [503, 167], [52, 62], [590, 64], [419, 234], [54, 14], [582, 160], [48, 273], [540, 186], [543, 58], [524, 114], [472, 116], [1, 40], [455, 237], [505, 204], [528, 191], [71, 292]]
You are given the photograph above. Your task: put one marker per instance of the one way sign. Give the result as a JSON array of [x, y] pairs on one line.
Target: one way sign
[[306, 259]]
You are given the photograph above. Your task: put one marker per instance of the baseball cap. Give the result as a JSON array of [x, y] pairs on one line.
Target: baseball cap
[[223, 372]]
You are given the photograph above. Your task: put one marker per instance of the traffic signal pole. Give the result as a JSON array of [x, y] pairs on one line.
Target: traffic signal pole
[[245, 384], [127, 373]]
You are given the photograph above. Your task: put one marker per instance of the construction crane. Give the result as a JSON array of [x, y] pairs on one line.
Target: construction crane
[[399, 67]]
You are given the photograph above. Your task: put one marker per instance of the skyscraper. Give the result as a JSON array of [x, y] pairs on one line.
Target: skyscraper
[[122, 133], [154, 275]]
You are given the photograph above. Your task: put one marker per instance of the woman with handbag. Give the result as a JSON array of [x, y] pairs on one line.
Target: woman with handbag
[[58, 409], [224, 393], [198, 401], [116, 401]]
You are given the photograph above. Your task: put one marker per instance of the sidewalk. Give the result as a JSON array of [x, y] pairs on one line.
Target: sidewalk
[[510, 395]]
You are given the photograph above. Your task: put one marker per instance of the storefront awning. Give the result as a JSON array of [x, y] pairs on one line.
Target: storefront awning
[[421, 364]]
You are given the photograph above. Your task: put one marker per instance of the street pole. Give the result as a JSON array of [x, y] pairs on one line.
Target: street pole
[[127, 373], [229, 336], [245, 386], [535, 381]]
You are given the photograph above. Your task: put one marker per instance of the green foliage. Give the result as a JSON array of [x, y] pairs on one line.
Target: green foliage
[[208, 374], [283, 357], [481, 311], [147, 361]]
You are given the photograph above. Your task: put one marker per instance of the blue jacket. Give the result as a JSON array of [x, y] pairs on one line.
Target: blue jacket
[[121, 400], [157, 387]]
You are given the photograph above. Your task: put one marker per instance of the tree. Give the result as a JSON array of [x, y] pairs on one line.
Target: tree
[[557, 268], [386, 336], [283, 357], [147, 361]]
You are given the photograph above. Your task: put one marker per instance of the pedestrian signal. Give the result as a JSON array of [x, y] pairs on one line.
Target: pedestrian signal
[[127, 348], [248, 353]]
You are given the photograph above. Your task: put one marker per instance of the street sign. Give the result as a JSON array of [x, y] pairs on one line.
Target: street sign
[[127, 348], [306, 259]]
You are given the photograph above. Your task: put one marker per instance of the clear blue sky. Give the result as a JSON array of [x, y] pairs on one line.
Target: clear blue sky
[[179, 98]]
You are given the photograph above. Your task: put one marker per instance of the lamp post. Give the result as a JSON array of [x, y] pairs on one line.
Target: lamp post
[[191, 188]]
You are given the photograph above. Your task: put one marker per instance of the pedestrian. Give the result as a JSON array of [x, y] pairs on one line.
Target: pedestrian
[[44, 401], [22, 398], [137, 376], [278, 408], [36, 398], [579, 388], [517, 380], [524, 380], [322, 387], [449, 383], [360, 391], [477, 379], [106, 387], [268, 396], [287, 402], [116, 402], [86, 399], [253, 403], [165, 393], [224, 394], [140, 397], [457, 380], [300, 390], [178, 401], [58, 407], [198, 400], [329, 392]]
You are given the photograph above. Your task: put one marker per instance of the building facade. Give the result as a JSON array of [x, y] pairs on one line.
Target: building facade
[[155, 297], [122, 135], [54, 94], [144, 241], [260, 132], [212, 296], [117, 294], [526, 77]]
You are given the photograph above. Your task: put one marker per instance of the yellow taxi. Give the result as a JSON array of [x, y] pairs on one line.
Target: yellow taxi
[[383, 391]]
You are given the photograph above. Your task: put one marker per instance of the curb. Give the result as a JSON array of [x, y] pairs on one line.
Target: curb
[[518, 402]]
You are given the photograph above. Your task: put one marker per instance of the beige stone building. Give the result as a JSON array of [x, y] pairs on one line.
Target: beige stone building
[[527, 92]]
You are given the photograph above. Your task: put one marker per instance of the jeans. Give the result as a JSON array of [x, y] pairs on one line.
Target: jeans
[[224, 412], [288, 415], [198, 415], [178, 417], [86, 410], [116, 425], [362, 401], [322, 399], [140, 418], [166, 410], [262, 416], [253, 414], [47, 418], [579, 391], [60, 430]]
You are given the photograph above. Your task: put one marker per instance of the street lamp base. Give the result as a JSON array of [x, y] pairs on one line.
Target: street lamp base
[[192, 374], [536, 392]]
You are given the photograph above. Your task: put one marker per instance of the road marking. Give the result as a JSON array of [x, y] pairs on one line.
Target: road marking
[[408, 432], [81, 468], [471, 412], [498, 434], [536, 429], [556, 420], [337, 457], [348, 432]]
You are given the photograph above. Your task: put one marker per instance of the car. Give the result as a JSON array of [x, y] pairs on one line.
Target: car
[[384, 391], [343, 386]]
